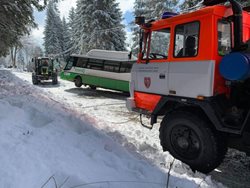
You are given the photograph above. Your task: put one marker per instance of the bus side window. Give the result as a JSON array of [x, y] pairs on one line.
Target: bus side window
[[108, 67], [111, 66], [95, 64], [81, 62], [125, 67]]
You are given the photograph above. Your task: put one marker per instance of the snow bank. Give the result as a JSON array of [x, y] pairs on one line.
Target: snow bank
[[40, 139], [80, 136]]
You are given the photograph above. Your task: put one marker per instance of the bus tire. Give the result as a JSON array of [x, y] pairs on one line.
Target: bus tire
[[190, 139], [92, 87], [78, 81]]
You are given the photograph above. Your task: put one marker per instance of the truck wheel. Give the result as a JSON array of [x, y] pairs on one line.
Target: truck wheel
[[78, 81], [34, 80], [189, 139]]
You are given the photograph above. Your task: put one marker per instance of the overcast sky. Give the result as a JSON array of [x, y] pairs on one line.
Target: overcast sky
[[64, 6]]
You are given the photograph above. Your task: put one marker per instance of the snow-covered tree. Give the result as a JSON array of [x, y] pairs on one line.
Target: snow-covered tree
[[158, 7], [77, 25], [245, 3], [16, 19], [67, 43], [98, 26], [189, 3], [140, 9], [192, 3], [71, 29], [150, 9], [53, 32]]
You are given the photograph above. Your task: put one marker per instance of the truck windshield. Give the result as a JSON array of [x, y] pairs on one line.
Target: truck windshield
[[224, 37], [159, 44]]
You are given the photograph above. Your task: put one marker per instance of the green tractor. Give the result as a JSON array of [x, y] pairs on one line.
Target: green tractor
[[44, 70]]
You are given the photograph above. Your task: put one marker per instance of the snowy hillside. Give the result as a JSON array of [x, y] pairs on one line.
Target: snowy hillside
[[62, 136]]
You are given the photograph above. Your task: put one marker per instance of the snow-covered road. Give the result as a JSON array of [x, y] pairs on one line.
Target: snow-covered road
[[77, 134]]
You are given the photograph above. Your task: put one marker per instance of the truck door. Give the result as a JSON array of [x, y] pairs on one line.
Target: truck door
[[151, 74]]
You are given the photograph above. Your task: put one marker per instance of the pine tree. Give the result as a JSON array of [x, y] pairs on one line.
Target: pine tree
[[16, 18], [150, 9], [189, 3], [98, 26], [78, 31], [118, 34], [158, 7], [53, 32], [140, 9], [67, 43], [71, 29], [245, 3], [192, 3]]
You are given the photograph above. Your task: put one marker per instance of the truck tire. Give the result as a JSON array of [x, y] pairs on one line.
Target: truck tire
[[34, 79], [190, 139], [54, 79], [78, 81]]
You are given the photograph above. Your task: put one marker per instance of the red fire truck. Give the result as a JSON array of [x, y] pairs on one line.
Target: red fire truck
[[193, 70]]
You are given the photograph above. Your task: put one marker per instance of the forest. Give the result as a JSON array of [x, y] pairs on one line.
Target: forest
[[94, 24]]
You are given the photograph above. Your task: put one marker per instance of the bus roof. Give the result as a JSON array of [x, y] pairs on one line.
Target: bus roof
[[107, 55]]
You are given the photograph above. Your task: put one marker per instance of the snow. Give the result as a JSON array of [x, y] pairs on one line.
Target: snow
[[62, 136]]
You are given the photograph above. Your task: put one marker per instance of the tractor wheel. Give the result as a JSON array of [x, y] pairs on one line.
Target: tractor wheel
[[78, 81], [54, 79], [190, 139], [35, 81]]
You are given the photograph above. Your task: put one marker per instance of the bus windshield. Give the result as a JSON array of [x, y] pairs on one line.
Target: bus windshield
[[69, 63]]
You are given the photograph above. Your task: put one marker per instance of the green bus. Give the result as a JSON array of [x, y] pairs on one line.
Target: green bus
[[100, 68]]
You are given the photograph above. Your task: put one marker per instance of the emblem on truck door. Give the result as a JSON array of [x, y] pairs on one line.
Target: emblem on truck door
[[147, 82]]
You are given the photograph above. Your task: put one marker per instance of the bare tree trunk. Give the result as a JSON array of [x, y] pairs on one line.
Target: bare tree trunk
[[13, 53]]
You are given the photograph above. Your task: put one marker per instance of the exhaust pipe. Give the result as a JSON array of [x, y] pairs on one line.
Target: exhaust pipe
[[238, 26]]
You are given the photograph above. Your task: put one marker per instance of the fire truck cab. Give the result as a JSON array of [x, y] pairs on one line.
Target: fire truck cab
[[193, 70]]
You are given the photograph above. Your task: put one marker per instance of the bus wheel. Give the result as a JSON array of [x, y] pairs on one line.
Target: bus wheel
[[92, 87], [78, 81], [190, 139]]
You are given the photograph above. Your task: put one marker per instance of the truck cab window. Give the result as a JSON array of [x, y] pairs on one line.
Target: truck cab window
[[159, 44], [224, 37], [187, 40]]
